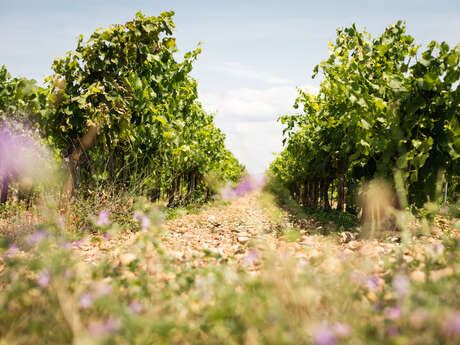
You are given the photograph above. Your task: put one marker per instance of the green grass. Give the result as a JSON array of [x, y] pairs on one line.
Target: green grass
[[194, 208], [325, 221]]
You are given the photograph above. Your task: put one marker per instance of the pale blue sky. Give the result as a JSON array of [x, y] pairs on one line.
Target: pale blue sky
[[254, 52]]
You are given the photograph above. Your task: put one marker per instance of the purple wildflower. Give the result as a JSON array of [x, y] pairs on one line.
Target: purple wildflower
[[137, 216], [13, 150], [70, 245], [372, 283], [342, 330], [67, 245], [143, 219], [401, 285], [243, 187], [392, 331], [112, 324], [101, 329], [103, 218], [303, 263], [97, 329], [67, 274], [107, 236], [145, 223], [76, 243], [252, 257], [86, 300], [102, 290], [21, 153], [12, 251], [438, 249], [44, 278], [394, 313], [135, 307], [324, 335], [37, 236], [452, 325]]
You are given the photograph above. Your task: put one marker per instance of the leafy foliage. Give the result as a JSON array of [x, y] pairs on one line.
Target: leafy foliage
[[382, 106], [21, 100], [121, 110]]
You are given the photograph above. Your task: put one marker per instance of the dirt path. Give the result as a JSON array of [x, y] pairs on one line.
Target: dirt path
[[237, 232], [228, 231], [242, 232]]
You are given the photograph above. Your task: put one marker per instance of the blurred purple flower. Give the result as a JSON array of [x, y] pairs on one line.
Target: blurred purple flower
[[37, 236], [324, 335], [86, 300], [107, 236], [44, 278], [135, 307], [342, 330], [103, 218], [145, 223], [143, 219], [77, 243], [67, 245], [401, 285], [97, 329], [113, 324], [70, 245], [438, 249], [393, 313], [303, 263], [21, 153], [102, 290], [100, 329], [67, 274], [392, 331], [11, 252], [252, 257], [452, 325], [245, 185], [372, 283], [12, 146]]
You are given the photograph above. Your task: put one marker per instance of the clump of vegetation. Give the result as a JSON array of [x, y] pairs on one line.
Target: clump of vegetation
[[318, 218], [142, 294], [383, 106], [121, 112]]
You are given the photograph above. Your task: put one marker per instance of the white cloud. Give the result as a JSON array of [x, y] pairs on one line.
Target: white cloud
[[252, 104], [240, 71], [248, 117], [253, 143]]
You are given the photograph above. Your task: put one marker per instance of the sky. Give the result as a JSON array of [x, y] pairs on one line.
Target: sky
[[255, 53]]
